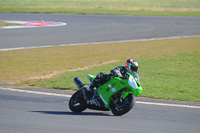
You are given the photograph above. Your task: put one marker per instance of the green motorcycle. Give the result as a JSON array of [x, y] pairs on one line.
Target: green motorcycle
[[116, 95]]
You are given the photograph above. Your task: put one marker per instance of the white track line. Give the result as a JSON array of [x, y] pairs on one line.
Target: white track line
[[151, 39], [168, 104], [35, 92], [65, 95]]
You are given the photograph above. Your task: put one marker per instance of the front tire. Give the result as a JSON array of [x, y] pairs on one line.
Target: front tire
[[77, 103], [121, 107]]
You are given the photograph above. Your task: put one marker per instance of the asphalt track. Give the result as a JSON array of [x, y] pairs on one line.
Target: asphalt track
[[94, 28], [23, 112]]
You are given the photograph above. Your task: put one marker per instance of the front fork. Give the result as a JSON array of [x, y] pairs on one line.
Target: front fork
[[123, 94]]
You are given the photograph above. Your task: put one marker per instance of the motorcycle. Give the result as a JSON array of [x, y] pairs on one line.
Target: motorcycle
[[116, 95]]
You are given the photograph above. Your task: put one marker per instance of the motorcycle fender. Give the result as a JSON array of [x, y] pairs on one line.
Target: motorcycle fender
[[125, 94]]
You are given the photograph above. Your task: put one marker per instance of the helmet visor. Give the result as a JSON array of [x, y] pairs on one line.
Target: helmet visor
[[134, 68]]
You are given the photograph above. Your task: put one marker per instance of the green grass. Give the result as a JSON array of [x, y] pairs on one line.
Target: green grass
[[168, 68], [125, 7], [174, 77], [20, 65], [104, 11]]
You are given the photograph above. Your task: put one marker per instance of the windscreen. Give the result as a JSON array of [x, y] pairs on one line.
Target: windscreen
[[135, 75]]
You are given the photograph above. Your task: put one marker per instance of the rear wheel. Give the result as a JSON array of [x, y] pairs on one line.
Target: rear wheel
[[121, 106], [77, 103]]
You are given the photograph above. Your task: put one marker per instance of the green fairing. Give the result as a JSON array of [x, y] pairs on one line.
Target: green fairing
[[115, 84], [90, 77]]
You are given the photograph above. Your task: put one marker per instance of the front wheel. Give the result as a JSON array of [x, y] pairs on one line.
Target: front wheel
[[121, 106], [77, 103]]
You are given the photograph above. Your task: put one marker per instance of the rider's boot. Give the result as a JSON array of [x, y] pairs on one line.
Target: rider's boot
[[89, 88], [92, 85]]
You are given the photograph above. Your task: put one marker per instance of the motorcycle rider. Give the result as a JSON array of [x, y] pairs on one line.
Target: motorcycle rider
[[131, 66]]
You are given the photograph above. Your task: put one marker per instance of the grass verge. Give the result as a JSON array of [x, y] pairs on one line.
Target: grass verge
[[125, 7], [168, 68], [7, 24], [104, 11], [174, 77]]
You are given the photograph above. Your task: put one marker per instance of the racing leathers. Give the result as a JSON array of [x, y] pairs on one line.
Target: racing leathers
[[101, 78]]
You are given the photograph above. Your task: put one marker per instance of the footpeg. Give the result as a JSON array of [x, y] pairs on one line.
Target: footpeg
[[93, 102]]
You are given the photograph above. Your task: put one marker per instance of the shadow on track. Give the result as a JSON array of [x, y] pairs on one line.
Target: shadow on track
[[71, 113]]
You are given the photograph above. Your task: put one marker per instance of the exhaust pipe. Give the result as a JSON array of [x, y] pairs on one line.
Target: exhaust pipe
[[78, 83], [80, 86]]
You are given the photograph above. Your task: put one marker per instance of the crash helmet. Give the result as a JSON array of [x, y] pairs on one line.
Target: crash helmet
[[131, 65]]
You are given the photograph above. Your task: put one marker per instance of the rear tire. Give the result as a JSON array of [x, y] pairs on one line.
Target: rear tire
[[77, 103], [121, 108]]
